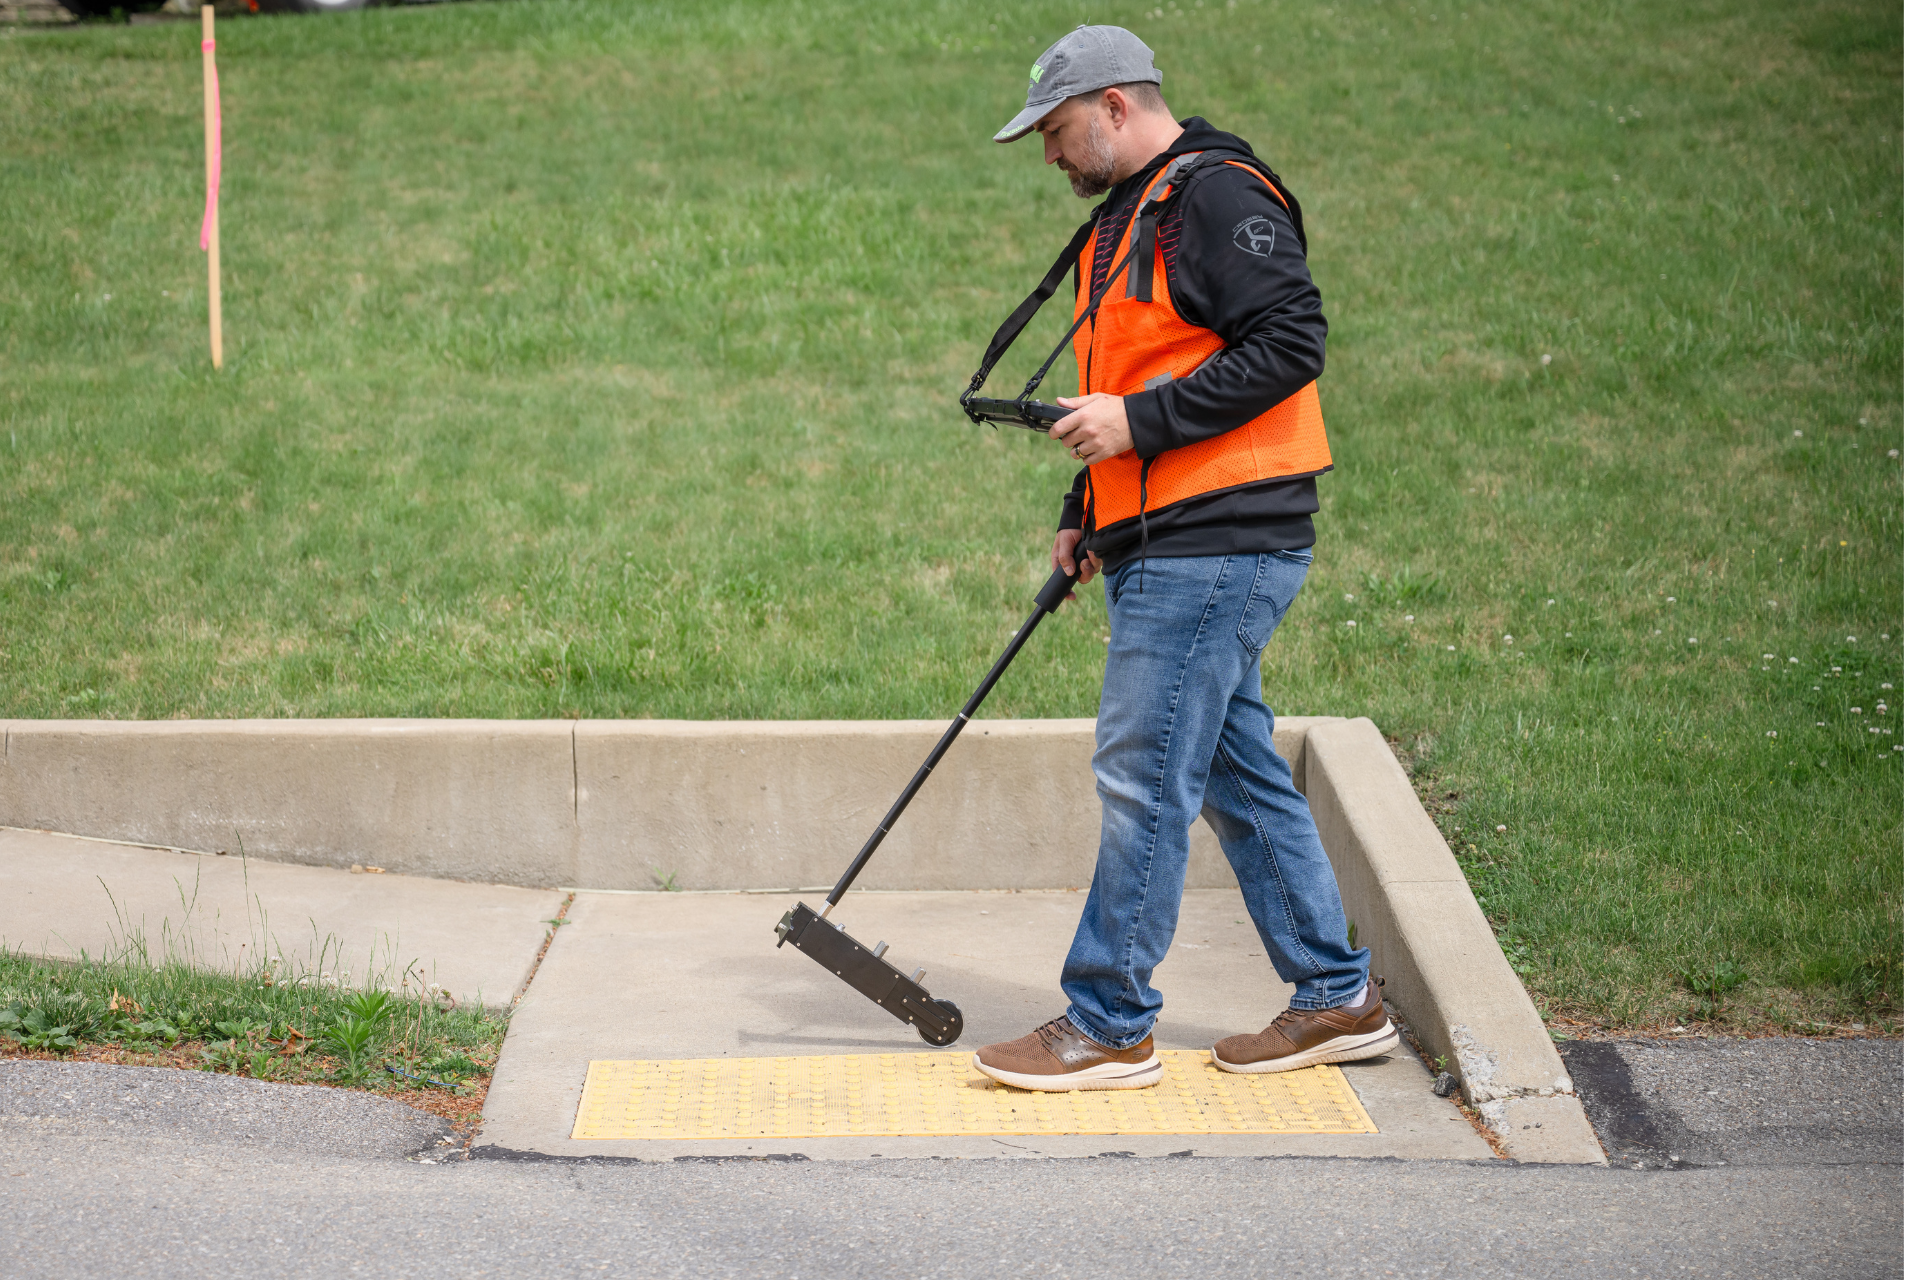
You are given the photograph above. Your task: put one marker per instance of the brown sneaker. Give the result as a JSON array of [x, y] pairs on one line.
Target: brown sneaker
[[1308, 1037], [1057, 1058]]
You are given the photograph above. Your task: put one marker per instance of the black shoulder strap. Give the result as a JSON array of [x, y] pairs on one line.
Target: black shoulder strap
[[1003, 337], [1010, 329], [1147, 235]]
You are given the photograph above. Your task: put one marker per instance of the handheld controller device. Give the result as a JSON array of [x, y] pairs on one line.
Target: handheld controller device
[[1034, 415]]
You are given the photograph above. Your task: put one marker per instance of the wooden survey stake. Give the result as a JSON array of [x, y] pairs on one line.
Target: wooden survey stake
[[210, 221]]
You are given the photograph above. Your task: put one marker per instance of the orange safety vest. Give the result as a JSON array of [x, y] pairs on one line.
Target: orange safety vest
[[1137, 340]]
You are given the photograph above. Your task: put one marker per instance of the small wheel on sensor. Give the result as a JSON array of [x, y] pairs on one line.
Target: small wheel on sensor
[[942, 1039]]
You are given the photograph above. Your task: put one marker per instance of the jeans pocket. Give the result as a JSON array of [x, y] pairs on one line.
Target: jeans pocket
[[1275, 583]]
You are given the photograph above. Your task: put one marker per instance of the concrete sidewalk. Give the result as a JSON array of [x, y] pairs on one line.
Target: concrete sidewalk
[[697, 975], [687, 975], [748, 806], [64, 896]]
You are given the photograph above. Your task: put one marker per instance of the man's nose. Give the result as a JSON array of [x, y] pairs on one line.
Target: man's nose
[[1054, 154]]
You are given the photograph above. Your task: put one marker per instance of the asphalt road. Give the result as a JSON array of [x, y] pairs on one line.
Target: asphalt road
[[100, 1183], [1708, 1103]]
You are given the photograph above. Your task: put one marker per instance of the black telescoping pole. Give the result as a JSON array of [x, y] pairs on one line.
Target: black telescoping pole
[[1050, 598]]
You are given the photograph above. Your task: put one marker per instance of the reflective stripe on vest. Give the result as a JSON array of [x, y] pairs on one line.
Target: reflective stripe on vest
[[1130, 345]]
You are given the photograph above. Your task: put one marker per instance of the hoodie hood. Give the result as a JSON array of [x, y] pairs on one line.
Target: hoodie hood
[[1197, 135]]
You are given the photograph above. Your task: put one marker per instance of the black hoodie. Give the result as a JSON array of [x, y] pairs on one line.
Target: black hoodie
[[1266, 309]]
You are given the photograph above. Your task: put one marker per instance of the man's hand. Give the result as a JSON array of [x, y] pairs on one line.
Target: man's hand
[[1097, 430], [1064, 544]]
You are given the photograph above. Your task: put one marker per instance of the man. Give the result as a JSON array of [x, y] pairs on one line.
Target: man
[[1199, 341]]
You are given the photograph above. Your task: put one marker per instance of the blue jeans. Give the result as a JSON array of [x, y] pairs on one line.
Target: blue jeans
[[1183, 733]]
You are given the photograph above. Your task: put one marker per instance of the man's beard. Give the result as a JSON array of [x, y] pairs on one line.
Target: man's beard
[[1097, 175]]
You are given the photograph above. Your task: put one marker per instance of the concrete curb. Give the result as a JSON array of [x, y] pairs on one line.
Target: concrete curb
[[588, 804], [1444, 968], [750, 805]]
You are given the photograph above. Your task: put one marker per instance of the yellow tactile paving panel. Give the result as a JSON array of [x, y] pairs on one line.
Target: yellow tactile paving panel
[[919, 1095]]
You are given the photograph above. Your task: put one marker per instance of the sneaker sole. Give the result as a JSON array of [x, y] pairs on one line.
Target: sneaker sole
[[1110, 1075], [1338, 1049]]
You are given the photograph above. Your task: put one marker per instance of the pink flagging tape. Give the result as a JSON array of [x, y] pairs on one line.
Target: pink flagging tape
[[213, 179]]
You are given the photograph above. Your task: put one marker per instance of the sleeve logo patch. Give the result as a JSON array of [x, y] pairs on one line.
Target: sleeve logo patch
[[1255, 236]]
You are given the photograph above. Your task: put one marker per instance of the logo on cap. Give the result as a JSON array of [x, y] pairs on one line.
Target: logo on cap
[[1035, 74]]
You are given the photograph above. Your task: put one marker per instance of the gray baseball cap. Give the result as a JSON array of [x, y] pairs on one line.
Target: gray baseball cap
[[1083, 60]]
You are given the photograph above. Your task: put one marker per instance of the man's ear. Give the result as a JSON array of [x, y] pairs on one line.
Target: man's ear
[[1117, 107]]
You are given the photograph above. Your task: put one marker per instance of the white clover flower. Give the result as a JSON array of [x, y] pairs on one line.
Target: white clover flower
[[1349, 597], [1893, 453], [1669, 599], [1569, 635], [1881, 708], [1500, 828], [1772, 734], [1819, 724], [1507, 639], [1795, 661], [1656, 631], [1836, 670], [1352, 623], [1898, 747], [1693, 639], [1767, 656], [1409, 617], [1886, 686], [1855, 710], [1851, 639], [1551, 602], [1545, 360], [1450, 649]]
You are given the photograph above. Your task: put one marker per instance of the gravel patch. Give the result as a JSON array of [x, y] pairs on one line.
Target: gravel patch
[[98, 1100]]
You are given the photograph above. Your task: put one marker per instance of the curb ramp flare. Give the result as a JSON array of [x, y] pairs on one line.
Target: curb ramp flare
[[922, 1095]]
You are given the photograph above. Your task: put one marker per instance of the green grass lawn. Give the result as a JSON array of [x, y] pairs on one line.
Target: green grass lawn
[[599, 359], [148, 1007]]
